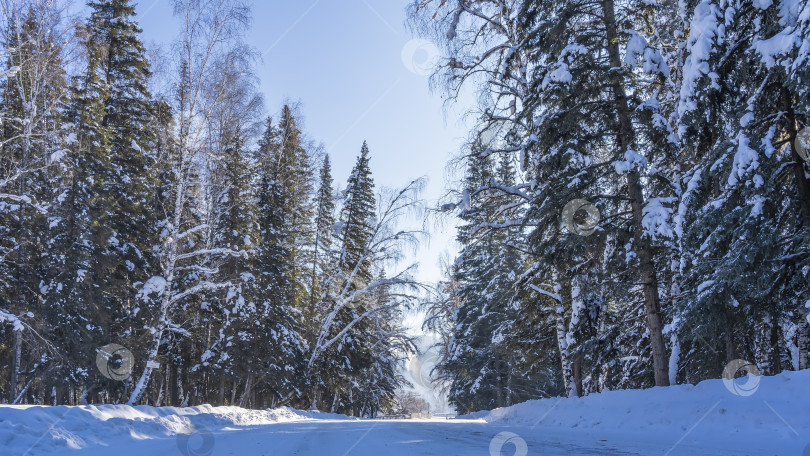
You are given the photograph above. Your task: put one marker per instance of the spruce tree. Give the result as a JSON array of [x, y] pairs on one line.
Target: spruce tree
[[124, 70], [357, 219], [344, 361], [234, 314], [284, 216], [588, 116], [744, 237], [322, 270], [322, 250], [480, 364], [77, 260]]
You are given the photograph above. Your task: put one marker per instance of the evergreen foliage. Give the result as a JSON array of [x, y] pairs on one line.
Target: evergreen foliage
[[675, 124], [172, 226]]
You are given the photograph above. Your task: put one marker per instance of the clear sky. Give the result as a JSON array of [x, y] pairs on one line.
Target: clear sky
[[359, 76]]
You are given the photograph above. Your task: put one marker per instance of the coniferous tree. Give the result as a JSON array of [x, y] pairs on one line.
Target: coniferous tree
[[747, 294], [284, 213], [480, 361], [356, 220], [322, 268], [125, 72], [234, 314], [322, 250], [32, 100], [469, 353], [360, 341], [344, 360], [79, 224]]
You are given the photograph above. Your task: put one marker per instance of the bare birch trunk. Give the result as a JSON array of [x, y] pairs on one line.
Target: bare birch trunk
[[565, 358], [246, 392]]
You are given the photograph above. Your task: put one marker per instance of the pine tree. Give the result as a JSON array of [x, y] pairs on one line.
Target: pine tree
[[322, 249], [579, 119], [322, 269], [79, 234], [124, 70], [284, 221], [340, 366], [739, 281], [356, 220]]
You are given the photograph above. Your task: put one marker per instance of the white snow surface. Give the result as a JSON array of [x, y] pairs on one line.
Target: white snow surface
[[703, 419]]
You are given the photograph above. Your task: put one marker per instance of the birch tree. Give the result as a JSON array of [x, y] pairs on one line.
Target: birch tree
[[211, 30], [34, 90]]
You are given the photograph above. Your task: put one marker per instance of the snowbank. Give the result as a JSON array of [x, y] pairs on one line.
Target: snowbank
[[773, 417], [769, 416], [34, 430]]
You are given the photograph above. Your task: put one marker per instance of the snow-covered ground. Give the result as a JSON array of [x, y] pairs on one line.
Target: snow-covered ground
[[768, 418]]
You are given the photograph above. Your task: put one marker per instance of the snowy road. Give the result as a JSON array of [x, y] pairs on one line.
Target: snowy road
[[376, 437], [407, 437], [707, 419]]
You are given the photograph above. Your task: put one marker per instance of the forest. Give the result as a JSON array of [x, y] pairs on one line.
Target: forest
[[634, 197], [632, 206], [178, 247]]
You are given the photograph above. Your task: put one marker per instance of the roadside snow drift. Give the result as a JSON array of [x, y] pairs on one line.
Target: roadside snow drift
[[34, 430], [753, 416]]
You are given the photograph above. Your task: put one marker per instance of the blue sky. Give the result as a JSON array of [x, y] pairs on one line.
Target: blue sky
[[343, 60]]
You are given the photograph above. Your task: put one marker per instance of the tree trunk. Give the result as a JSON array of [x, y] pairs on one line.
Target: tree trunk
[[776, 359], [221, 396], [641, 243], [602, 327], [802, 342], [182, 392], [577, 373], [802, 184], [25, 388], [565, 358], [161, 392], [674, 357], [233, 391], [171, 384], [499, 399], [15, 366], [153, 354], [728, 337], [764, 346], [246, 393]]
